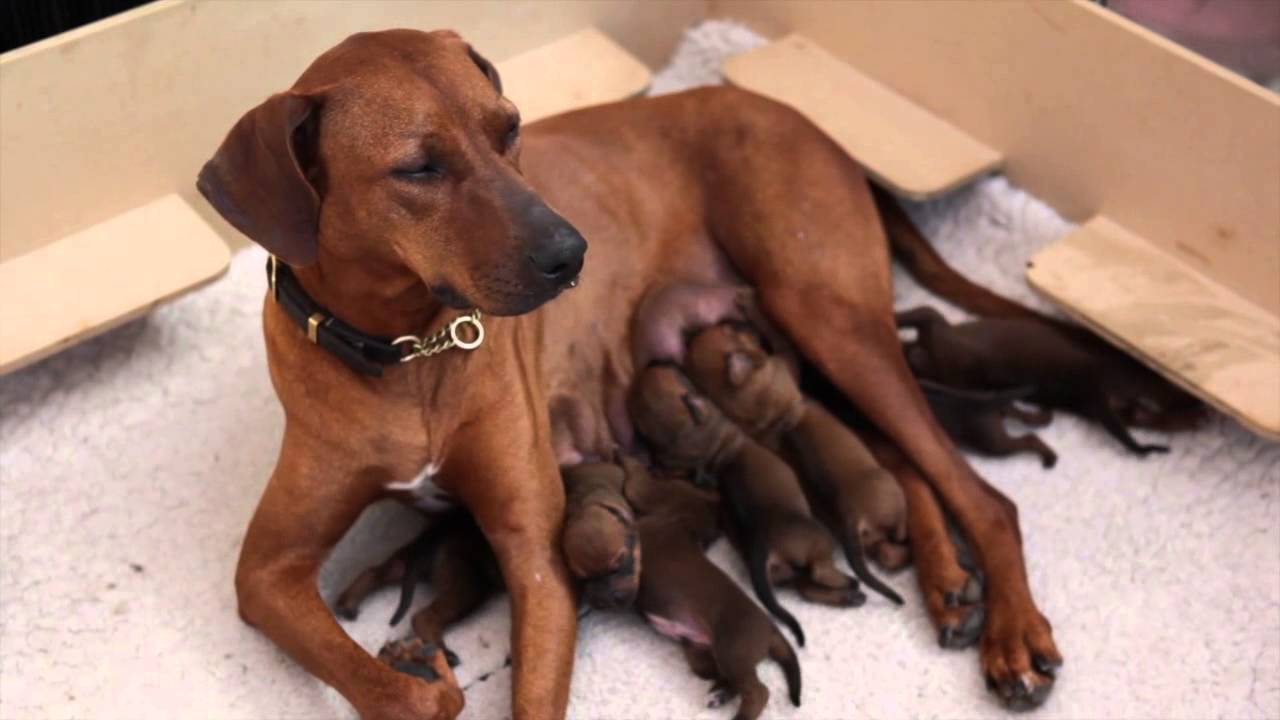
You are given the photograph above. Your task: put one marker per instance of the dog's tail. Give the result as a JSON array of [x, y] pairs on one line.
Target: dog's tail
[[785, 655], [853, 552], [914, 251], [418, 563], [757, 565]]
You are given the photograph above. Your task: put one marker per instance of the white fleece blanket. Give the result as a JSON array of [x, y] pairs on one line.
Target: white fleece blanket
[[129, 467]]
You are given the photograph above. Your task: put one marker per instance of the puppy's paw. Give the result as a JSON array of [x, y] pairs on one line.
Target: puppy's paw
[[719, 695], [417, 658]]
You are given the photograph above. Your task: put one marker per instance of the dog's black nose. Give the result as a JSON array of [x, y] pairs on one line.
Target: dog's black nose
[[559, 257]]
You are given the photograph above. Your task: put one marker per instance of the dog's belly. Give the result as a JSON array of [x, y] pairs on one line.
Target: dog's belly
[[679, 631]]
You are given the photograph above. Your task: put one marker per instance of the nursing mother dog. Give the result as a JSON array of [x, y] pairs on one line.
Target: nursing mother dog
[[403, 200]]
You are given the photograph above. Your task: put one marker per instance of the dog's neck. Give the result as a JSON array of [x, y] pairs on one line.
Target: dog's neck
[[377, 298]]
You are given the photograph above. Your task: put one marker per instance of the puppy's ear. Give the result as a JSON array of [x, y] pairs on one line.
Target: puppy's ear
[[486, 67], [738, 367], [257, 183], [697, 407]]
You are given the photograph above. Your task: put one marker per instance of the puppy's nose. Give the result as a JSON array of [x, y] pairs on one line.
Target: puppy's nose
[[559, 257]]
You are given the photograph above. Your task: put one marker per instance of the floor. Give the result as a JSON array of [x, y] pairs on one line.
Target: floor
[[130, 465]]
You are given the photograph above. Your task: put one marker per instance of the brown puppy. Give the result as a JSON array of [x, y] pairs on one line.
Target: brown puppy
[[453, 556], [395, 185], [685, 597], [1002, 353], [599, 540], [782, 542], [861, 502], [975, 419]]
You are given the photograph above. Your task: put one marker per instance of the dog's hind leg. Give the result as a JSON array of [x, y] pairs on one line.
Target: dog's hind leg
[[995, 440], [808, 238]]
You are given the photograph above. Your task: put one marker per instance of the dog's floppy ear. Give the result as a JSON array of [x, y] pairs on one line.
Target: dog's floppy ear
[[487, 67], [256, 182], [739, 366]]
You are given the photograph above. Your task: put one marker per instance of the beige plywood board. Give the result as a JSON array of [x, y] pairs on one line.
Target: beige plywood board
[[1197, 332], [101, 277], [1091, 112], [899, 143], [585, 68], [108, 117]]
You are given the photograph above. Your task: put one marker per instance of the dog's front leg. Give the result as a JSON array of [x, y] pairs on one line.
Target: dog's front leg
[[512, 486], [314, 496]]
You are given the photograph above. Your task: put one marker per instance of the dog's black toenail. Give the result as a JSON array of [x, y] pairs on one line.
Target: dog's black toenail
[[966, 633], [951, 599], [347, 613], [411, 668], [1044, 665], [991, 683], [426, 651], [944, 636], [972, 592], [452, 658]]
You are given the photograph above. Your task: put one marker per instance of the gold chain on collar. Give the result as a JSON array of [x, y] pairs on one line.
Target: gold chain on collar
[[444, 338]]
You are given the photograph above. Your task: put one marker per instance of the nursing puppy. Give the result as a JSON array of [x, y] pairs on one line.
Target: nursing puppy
[[860, 501], [1068, 373], [781, 541], [685, 597], [599, 538], [975, 420], [454, 557]]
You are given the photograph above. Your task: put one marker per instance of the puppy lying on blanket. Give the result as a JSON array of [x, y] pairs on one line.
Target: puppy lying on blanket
[[861, 502], [975, 419], [454, 557], [783, 543], [599, 541], [685, 597], [1000, 353]]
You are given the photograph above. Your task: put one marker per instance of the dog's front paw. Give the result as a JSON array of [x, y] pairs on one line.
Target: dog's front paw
[[422, 688], [1019, 658]]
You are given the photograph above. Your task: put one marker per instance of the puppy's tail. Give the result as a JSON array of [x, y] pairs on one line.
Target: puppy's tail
[[757, 565], [853, 552], [783, 654], [914, 251], [418, 563]]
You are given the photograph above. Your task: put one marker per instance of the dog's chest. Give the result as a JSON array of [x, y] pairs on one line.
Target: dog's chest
[[423, 492]]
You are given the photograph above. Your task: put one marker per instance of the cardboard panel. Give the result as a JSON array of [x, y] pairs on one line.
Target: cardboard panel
[[585, 68], [1092, 113], [899, 143], [102, 277], [105, 118], [1199, 333]]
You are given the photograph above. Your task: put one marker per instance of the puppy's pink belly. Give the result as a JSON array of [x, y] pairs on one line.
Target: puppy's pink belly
[[679, 631]]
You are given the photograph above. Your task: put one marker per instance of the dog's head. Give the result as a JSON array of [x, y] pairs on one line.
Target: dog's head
[[599, 540], [398, 149], [729, 364], [683, 429]]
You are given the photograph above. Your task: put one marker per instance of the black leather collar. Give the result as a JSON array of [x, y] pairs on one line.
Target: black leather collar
[[361, 351]]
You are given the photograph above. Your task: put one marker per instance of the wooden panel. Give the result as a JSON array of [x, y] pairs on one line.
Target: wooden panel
[[1198, 333], [103, 276], [1092, 113], [115, 114], [898, 142], [585, 68]]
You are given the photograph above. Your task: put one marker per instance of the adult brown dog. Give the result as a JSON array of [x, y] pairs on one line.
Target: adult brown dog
[[394, 178]]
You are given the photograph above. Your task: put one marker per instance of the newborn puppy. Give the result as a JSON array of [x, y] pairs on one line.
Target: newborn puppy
[[860, 501], [975, 419], [1065, 371], [599, 538], [685, 597], [783, 543], [453, 555]]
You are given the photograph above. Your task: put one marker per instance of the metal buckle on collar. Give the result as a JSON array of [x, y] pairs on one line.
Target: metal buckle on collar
[[444, 338]]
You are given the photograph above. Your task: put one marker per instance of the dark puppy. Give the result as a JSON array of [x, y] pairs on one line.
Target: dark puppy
[[685, 597], [599, 538], [782, 542], [859, 500], [975, 419], [454, 557], [1002, 353]]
